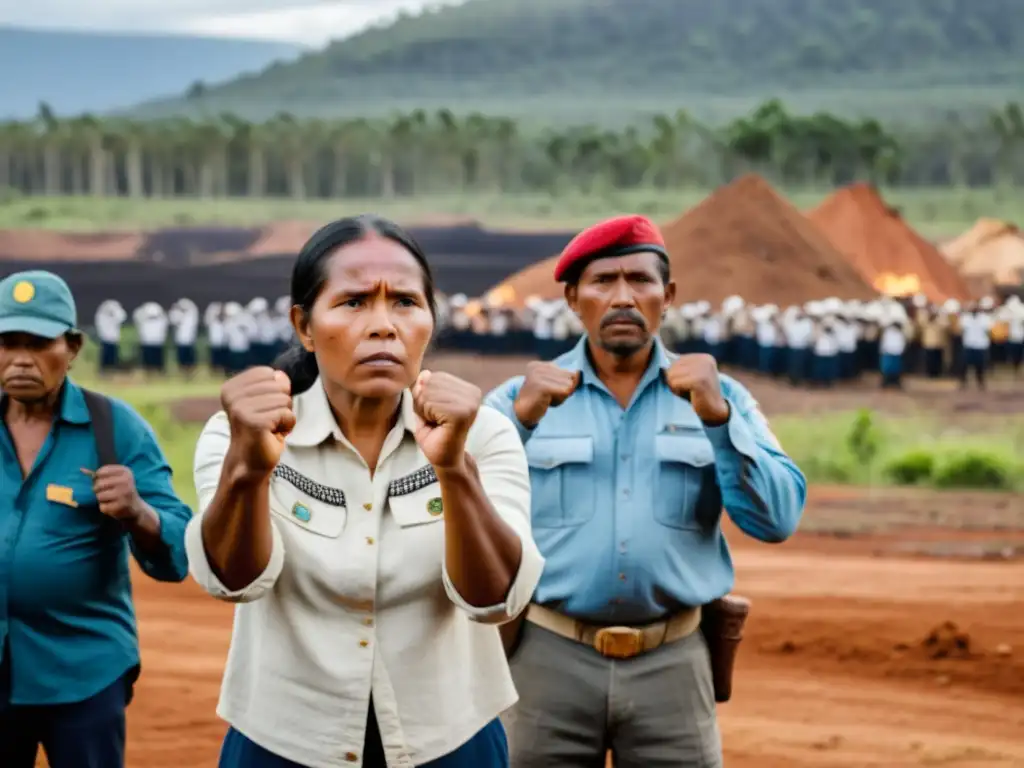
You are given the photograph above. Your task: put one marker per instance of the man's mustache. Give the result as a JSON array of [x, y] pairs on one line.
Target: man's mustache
[[624, 316]]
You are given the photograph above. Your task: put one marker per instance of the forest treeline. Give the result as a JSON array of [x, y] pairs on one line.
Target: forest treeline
[[629, 48], [423, 153]]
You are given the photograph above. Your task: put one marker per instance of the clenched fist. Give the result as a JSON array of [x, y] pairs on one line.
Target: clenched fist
[[545, 386], [446, 407], [695, 377], [258, 404], [115, 491]]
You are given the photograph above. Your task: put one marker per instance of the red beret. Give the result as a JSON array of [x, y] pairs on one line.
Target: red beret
[[612, 237]]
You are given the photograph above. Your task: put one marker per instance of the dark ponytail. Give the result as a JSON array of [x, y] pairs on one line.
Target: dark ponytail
[[310, 273], [300, 366]]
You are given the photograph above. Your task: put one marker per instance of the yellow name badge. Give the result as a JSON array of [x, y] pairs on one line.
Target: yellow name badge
[[61, 495]]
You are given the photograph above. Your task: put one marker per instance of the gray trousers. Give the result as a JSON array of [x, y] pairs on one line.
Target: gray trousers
[[656, 710]]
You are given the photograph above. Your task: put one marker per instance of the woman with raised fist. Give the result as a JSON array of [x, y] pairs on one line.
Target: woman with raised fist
[[371, 520]]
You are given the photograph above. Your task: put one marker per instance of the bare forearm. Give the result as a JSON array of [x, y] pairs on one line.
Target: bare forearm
[[144, 528], [237, 534], [482, 552]]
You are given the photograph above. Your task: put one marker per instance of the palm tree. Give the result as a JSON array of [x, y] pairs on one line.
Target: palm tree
[[288, 135], [49, 132], [16, 140], [92, 132], [1008, 125]]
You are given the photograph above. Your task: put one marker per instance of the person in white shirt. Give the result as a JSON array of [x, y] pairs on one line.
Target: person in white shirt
[[685, 330], [110, 316], [892, 347], [714, 336], [544, 313], [561, 330], [479, 327], [372, 522], [213, 320], [847, 336], [799, 331], [975, 331], [699, 312], [461, 334], [1014, 310], [283, 322], [184, 317], [825, 362], [239, 330], [151, 324], [263, 341], [767, 339], [501, 320]]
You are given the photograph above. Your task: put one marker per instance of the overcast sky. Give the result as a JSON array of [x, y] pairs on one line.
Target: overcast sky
[[304, 21]]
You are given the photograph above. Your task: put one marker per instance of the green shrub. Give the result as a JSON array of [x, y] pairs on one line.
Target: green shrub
[[864, 440], [974, 469], [827, 469], [911, 468]]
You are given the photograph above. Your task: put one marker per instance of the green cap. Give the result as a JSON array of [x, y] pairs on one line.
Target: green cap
[[36, 302]]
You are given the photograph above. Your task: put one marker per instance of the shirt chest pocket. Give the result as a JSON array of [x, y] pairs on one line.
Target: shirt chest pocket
[[415, 499], [72, 512], [562, 481], [685, 463], [310, 506]]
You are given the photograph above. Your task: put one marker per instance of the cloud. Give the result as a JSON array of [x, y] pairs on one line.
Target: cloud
[[312, 24], [308, 21]]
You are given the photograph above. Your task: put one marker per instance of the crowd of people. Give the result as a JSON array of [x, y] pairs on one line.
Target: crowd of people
[[820, 343]]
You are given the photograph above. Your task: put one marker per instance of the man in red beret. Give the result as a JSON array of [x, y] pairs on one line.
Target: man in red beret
[[633, 453]]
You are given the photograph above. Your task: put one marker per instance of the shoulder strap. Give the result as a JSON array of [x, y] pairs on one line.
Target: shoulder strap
[[102, 416]]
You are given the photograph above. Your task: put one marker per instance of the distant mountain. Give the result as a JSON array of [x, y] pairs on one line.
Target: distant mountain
[[535, 56], [78, 72]]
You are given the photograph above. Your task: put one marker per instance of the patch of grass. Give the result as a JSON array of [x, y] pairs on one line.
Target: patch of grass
[[911, 468], [865, 448], [976, 469], [937, 212]]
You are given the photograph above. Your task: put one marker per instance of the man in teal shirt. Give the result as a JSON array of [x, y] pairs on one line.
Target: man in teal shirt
[[633, 454], [67, 624]]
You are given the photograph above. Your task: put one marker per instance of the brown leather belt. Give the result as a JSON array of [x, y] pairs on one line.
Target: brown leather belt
[[617, 642]]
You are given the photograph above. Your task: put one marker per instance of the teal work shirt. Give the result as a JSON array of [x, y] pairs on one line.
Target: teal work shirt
[[626, 502], [66, 613]]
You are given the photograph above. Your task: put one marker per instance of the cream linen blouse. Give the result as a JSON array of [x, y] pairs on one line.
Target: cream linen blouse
[[356, 599]]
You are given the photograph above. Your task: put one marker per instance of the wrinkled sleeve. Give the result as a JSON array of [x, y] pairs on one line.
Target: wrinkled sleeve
[[503, 400], [762, 489], [210, 451], [154, 483], [506, 481]]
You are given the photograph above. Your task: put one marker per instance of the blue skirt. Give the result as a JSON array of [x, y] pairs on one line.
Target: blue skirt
[[487, 749], [892, 365], [826, 368], [153, 357], [237, 361], [110, 357], [186, 356]]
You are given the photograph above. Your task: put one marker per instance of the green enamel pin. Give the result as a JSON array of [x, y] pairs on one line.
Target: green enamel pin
[[435, 506]]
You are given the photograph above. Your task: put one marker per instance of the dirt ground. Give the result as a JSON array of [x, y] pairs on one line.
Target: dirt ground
[[854, 656]]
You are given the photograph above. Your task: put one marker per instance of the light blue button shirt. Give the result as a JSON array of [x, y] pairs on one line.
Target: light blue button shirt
[[627, 502]]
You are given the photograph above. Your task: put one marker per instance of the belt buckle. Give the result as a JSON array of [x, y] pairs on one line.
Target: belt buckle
[[619, 642]]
